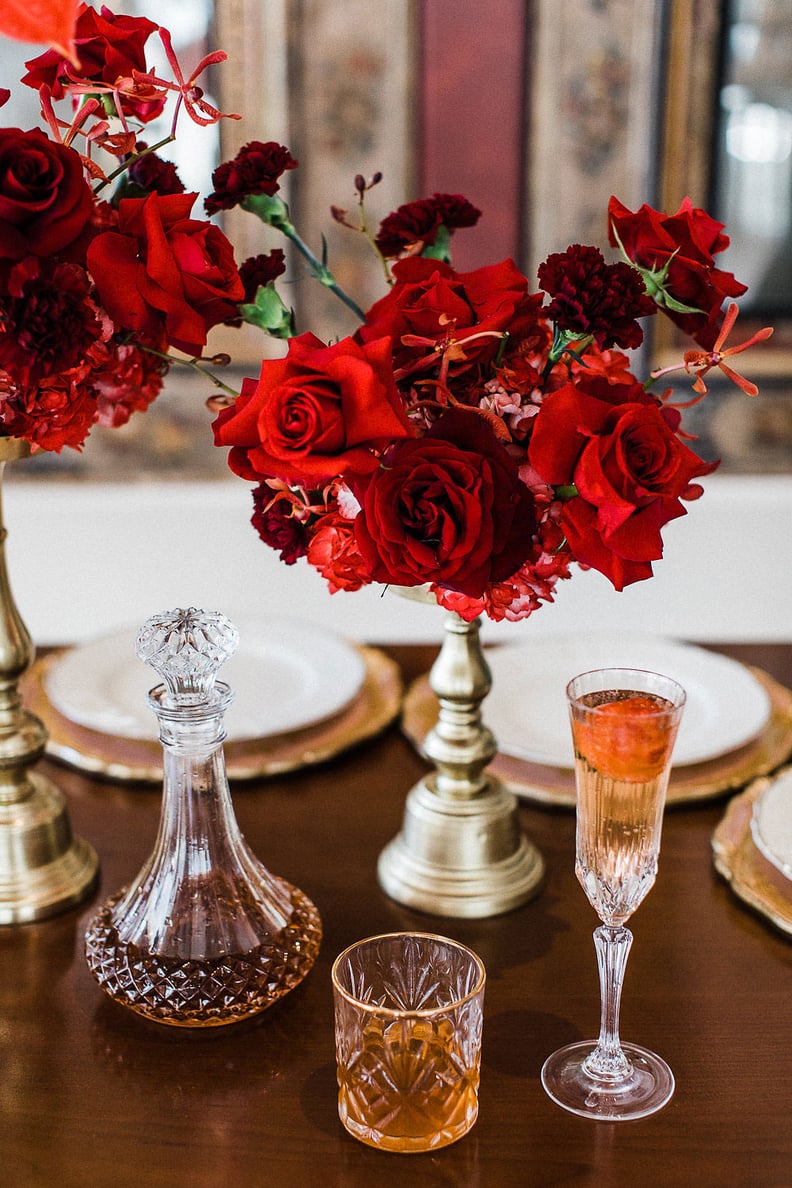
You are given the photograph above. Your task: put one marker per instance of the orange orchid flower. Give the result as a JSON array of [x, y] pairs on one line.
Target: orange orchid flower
[[198, 108], [701, 362], [49, 21]]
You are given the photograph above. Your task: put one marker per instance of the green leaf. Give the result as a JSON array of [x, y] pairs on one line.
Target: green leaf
[[269, 313]]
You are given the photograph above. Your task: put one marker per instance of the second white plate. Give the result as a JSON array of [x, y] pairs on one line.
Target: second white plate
[[286, 675], [526, 710], [771, 823]]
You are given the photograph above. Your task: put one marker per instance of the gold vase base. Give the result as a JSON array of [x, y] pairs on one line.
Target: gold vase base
[[44, 869], [462, 858]]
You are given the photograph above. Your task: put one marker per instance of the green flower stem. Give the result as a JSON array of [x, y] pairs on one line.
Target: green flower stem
[[275, 212], [195, 364], [364, 228], [124, 166], [501, 349], [321, 272]]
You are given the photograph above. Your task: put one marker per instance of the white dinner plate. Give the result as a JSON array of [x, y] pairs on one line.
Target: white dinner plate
[[726, 705], [286, 675], [771, 823]]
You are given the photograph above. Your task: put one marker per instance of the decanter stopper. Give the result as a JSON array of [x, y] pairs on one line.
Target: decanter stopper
[[187, 648], [205, 935]]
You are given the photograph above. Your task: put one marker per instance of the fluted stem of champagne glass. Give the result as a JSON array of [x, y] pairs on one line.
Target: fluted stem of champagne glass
[[608, 1062]]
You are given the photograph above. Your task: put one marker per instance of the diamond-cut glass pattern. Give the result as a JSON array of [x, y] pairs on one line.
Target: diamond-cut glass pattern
[[408, 1041], [206, 992], [205, 935]]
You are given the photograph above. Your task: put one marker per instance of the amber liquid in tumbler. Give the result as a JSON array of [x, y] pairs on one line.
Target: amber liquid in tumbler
[[621, 788], [408, 1089]]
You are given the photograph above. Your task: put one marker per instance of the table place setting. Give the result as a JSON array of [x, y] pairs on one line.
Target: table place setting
[[472, 442], [737, 723], [771, 822], [752, 847], [304, 695]]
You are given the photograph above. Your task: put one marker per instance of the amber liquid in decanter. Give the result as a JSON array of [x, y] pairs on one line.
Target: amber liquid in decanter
[[205, 935]]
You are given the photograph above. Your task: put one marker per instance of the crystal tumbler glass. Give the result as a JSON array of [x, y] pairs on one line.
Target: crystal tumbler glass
[[408, 1021]]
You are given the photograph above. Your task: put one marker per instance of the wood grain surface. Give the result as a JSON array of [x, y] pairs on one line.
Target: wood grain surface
[[92, 1096]]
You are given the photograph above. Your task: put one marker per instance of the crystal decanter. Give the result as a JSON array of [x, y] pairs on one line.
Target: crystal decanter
[[205, 935]]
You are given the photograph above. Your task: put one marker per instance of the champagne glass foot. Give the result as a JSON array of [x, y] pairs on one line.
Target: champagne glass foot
[[648, 1086]]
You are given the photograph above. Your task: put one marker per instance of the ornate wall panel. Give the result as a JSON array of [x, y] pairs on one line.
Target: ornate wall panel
[[537, 111], [593, 98]]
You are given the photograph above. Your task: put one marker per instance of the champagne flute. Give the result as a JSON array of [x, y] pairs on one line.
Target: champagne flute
[[624, 723]]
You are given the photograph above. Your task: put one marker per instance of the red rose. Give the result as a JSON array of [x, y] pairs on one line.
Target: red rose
[[630, 471], [160, 270], [319, 412], [45, 201], [447, 508], [432, 304], [686, 243], [109, 48]]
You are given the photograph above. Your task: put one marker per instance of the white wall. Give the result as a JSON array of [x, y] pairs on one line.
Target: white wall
[[86, 559]]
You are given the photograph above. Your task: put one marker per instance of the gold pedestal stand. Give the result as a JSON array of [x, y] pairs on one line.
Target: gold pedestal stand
[[460, 851], [43, 868]]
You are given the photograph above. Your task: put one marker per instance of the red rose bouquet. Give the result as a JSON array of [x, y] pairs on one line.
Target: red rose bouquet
[[102, 269], [474, 434]]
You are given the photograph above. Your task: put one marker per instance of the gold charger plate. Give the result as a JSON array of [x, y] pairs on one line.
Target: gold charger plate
[[139, 760], [695, 781], [752, 878]]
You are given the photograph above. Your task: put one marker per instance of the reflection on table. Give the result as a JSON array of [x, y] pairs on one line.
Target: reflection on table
[[91, 1094]]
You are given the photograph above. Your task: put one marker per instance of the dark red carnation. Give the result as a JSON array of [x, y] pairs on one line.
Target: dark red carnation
[[162, 272], [150, 174], [261, 270], [590, 297], [255, 273], [685, 244], [447, 508], [57, 412], [45, 201], [629, 471], [277, 525], [415, 224], [317, 413], [455, 211], [256, 169], [411, 226], [431, 307], [109, 48], [126, 380], [48, 321]]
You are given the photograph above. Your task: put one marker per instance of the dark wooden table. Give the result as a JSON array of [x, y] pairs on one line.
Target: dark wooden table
[[93, 1096]]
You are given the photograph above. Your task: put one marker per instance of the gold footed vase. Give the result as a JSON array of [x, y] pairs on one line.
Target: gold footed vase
[[461, 851], [44, 869]]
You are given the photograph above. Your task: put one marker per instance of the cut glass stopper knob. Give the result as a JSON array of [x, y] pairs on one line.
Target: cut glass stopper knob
[[187, 648], [205, 935]]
